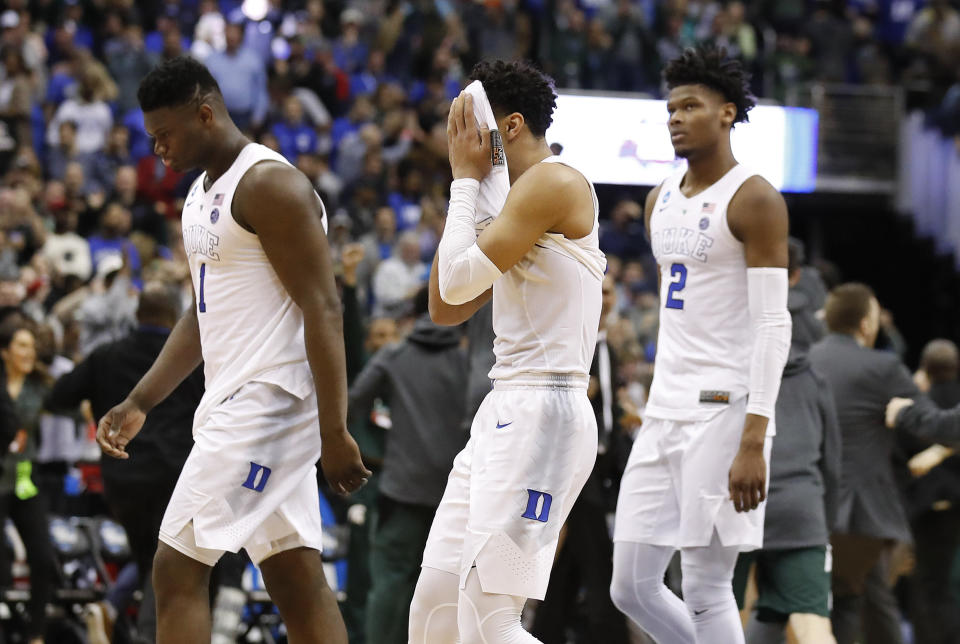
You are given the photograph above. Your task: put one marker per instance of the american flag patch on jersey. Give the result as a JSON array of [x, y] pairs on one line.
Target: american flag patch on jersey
[[709, 207], [218, 199]]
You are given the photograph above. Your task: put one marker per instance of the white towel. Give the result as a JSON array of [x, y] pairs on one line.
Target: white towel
[[496, 185]]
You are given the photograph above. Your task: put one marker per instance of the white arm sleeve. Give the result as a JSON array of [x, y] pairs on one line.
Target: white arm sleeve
[[767, 300], [464, 272]]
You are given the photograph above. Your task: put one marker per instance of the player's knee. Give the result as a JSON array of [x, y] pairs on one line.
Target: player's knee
[[622, 591], [706, 592], [175, 574]]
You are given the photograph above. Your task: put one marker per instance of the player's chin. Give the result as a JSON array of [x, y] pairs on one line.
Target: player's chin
[[682, 151]]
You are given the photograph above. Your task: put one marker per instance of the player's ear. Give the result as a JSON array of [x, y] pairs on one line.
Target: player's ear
[[728, 113], [206, 114], [512, 125]]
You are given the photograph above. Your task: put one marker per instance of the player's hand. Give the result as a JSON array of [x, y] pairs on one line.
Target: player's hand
[[894, 407], [118, 427], [342, 465], [922, 380], [468, 143], [748, 478]]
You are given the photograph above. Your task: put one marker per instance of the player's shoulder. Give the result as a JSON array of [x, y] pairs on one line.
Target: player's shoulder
[[271, 184], [553, 182], [756, 194]]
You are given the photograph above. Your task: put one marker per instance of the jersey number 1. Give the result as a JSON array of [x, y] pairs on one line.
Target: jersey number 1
[[201, 305], [679, 273]]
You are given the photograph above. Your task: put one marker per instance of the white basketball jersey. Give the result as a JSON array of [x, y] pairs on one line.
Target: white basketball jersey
[[705, 340], [250, 327], [546, 309]]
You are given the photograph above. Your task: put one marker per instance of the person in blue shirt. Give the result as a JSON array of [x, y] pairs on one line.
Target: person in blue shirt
[[242, 79], [294, 135]]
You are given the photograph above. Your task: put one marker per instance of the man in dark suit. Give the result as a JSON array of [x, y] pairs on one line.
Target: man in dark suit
[[871, 517], [585, 557], [932, 490]]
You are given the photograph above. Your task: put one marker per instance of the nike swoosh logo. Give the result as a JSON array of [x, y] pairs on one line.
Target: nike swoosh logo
[[499, 426], [700, 612]]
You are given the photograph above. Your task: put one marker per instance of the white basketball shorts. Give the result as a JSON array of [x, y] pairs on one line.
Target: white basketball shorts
[[250, 481], [675, 490], [532, 446]]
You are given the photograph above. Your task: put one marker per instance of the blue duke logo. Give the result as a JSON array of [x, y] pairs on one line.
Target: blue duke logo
[[257, 478], [538, 506]]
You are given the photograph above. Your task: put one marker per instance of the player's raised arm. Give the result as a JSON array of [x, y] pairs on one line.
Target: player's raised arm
[[545, 198], [278, 203], [758, 218], [180, 356]]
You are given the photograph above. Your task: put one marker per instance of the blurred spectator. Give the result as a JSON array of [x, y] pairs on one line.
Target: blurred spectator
[[398, 277], [103, 165], [405, 201], [423, 381], [209, 35], [19, 497], [65, 151], [137, 489], [933, 505], [832, 40], [145, 216], [242, 79], [128, 62], [68, 252], [112, 240], [623, 233], [934, 33], [378, 244], [294, 135], [349, 51], [88, 109], [16, 103]]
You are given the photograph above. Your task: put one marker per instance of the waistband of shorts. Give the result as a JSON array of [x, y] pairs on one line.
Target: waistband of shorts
[[543, 380]]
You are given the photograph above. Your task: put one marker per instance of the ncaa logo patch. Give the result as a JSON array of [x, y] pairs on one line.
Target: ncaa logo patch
[[214, 215], [704, 223]]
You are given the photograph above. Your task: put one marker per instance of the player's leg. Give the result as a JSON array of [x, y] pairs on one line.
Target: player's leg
[[181, 584], [433, 611], [708, 591], [488, 618], [638, 591], [648, 518], [297, 585]]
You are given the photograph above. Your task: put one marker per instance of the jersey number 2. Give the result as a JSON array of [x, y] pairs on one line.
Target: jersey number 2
[[679, 273], [201, 305]]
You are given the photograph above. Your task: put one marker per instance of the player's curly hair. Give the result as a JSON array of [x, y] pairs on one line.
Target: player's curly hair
[[518, 86], [707, 65], [174, 82]]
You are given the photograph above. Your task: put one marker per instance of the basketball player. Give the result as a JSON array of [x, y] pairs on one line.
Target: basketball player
[[534, 438], [267, 324], [697, 475]]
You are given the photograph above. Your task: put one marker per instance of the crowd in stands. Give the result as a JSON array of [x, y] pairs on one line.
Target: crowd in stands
[[355, 93]]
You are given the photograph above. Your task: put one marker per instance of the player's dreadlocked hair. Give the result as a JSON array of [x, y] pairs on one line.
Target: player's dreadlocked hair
[[175, 82], [709, 66], [518, 86]]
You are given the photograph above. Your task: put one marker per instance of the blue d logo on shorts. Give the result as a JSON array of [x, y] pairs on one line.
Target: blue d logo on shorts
[[257, 478], [533, 500]]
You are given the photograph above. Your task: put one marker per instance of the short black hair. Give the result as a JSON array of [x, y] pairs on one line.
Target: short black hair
[[518, 86], [174, 82], [709, 66]]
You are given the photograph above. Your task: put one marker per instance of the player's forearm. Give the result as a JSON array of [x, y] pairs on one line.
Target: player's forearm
[[323, 336], [180, 355], [451, 314], [464, 272]]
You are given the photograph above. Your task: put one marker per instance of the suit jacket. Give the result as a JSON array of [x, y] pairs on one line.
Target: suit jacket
[[863, 381]]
